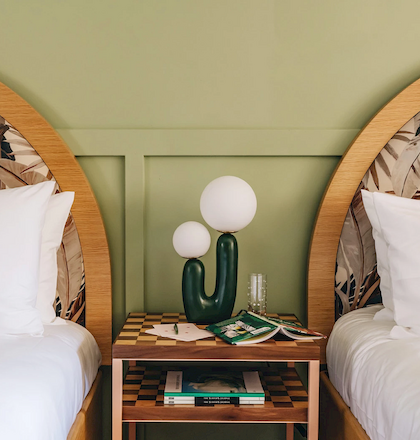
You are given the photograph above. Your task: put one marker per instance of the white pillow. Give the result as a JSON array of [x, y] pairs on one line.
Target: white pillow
[[58, 210], [22, 214], [399, 218], [381, 248]]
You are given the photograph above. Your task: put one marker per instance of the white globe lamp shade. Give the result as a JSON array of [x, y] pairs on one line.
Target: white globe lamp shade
[[228, 204], [191, 240]]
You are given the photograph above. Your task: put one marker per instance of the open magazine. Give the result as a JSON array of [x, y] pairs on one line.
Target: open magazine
[[250, 328]]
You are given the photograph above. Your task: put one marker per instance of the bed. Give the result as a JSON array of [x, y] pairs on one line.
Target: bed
[[61, 354], [369, 388]]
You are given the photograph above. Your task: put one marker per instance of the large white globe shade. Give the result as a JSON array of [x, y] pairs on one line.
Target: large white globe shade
[[191, 240], [228, 204]]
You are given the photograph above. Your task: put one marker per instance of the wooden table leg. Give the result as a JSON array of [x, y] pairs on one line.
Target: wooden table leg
[[132, 427], [313, 400], [290, 427], [117, 389]]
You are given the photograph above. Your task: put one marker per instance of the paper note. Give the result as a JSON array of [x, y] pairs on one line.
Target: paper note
[[186, 332]]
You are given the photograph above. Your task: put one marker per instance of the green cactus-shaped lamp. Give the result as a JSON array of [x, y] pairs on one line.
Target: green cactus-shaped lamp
[[227, 204]]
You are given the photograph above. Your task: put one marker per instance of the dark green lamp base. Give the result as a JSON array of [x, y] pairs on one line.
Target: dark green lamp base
[[201, 308]]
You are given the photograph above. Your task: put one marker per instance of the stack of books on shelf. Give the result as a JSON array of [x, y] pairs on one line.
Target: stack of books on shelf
[[205, 387]]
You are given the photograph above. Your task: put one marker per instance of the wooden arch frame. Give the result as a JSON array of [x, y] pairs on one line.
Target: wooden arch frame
[[70, 177], [336, 201]]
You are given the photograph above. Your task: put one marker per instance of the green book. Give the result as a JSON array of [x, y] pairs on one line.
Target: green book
[[250, 328]]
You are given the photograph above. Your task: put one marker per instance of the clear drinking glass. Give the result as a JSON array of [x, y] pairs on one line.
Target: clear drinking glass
[[257, 293]]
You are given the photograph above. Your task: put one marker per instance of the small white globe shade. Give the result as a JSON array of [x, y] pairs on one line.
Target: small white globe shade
[[228, 204], [191, 240]]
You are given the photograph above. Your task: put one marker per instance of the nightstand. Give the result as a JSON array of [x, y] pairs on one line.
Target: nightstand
[[138, 393]]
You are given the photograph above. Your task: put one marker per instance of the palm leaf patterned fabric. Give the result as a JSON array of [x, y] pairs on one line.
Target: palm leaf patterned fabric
[[21, 165], [396, 170]]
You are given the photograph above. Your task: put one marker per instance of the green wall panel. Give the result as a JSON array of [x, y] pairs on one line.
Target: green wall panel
[[288, 191], [166, 170], [106, 177]]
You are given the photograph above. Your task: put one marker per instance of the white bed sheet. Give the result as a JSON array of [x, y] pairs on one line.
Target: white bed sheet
[[44, 380], [378, 377]]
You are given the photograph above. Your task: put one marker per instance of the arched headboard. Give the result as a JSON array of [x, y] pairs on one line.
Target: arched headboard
[[86, 251], [373, 142]]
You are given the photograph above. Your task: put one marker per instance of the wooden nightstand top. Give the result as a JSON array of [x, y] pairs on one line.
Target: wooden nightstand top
[[133, 343]]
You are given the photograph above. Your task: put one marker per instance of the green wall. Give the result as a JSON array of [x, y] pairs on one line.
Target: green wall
[[156, 98]]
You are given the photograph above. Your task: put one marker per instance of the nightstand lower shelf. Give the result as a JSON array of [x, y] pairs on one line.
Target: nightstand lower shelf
[[143, 393]]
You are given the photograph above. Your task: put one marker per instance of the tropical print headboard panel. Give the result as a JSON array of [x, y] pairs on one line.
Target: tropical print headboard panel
[[21, 165], [396, 170]]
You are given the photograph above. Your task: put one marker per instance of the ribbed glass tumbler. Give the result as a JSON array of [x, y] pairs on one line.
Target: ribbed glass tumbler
[[257, 293]]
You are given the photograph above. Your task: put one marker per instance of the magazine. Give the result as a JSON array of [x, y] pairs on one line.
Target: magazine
[[250, 328], [212, 385]]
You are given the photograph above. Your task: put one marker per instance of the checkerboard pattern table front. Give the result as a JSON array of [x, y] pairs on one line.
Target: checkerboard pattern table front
[[134, 342]]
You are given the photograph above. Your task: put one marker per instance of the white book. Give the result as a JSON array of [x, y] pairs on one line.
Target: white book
[[213, 383]]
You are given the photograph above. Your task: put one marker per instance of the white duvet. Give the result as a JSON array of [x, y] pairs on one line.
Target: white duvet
[[44, 380], [377, 376]]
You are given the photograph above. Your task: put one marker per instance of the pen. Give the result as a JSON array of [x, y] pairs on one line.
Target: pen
[[176, 329]]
